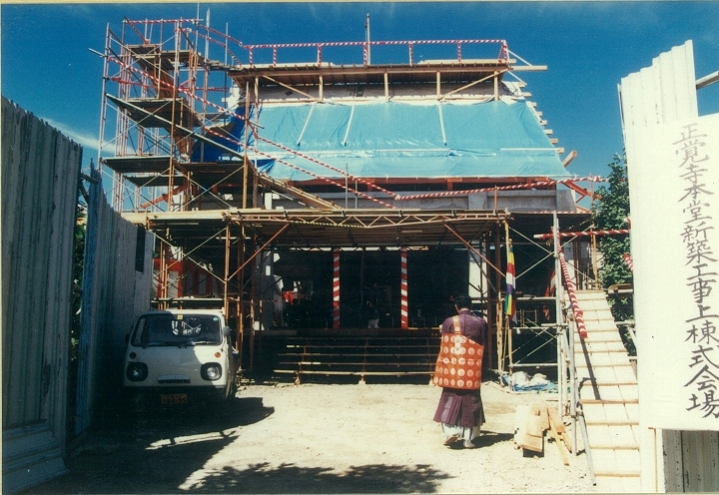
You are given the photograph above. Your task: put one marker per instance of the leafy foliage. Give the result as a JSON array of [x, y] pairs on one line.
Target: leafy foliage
[[77, 269], [611, 212]]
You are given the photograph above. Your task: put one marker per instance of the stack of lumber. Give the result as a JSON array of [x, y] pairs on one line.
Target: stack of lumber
[[532, 422]]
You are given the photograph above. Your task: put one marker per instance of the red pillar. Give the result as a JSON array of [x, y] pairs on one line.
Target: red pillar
[[404, 319], [336, 289]]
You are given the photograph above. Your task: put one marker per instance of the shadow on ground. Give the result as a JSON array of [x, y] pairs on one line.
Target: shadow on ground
[[153, 450], [288, 478], [486, 439]]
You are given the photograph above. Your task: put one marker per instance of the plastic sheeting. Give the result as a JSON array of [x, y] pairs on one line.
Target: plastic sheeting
[[400, 140]]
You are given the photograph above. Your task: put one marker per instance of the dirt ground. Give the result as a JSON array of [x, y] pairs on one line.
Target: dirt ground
[[315, 438]]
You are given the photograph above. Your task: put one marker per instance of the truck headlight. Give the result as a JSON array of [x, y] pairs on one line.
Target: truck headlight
[[136, 372], [211, 371]]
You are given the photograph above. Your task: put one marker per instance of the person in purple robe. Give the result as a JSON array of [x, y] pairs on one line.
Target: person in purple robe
[[460, 411]]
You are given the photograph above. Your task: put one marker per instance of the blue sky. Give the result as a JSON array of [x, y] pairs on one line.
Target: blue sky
[[48, 69]]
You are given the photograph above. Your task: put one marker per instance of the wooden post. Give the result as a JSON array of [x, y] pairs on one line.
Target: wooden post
[[497, 284], [225, 300], [489, 350]]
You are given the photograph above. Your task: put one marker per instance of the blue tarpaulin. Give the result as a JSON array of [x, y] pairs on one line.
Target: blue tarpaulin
[[400, 140]]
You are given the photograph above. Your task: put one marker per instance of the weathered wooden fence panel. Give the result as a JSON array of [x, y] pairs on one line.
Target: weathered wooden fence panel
[[40, 169], [115, 291]]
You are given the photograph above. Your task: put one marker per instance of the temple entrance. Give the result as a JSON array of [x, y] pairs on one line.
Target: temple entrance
[[369, 288], [305, 282], [434, 276]]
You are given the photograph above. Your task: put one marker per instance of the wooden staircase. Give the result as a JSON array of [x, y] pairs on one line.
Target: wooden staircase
[[608, 397], [359, 353]]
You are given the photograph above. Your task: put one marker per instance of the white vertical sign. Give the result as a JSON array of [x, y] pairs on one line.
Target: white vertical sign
[[675, 247]]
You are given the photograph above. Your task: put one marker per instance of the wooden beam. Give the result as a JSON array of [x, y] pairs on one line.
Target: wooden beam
[[617, 474], [291, 88], [530, 427], [609, 401], [614, 422], [560, 445], [496, 86], [529, 68], [571, 156], [608, 446], [555, 420], [496, 74]]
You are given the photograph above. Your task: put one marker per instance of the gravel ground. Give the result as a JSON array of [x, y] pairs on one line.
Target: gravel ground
[[315, 438]]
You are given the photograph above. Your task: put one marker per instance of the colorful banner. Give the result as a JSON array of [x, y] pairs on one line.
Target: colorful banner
[[510, 303]]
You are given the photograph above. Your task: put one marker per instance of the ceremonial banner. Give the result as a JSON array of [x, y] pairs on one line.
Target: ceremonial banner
[[510, 303]]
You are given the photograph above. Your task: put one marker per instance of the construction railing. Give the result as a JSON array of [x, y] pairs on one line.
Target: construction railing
[[578, 316], [502, 56]]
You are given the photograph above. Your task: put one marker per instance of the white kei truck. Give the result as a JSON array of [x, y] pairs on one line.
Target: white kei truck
[[180, 356]]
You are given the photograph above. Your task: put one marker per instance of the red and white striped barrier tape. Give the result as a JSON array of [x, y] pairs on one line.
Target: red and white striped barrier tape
[[376, 43], [530, 185], [503, 55], [578, 315], [325, 165], [284, 148], [628, 260], [587, 233]]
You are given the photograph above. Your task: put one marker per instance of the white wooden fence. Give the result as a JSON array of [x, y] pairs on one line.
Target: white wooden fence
[[40, 169], [40, 173]]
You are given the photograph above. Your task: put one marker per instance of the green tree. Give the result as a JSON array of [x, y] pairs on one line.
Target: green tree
[[610, 212]]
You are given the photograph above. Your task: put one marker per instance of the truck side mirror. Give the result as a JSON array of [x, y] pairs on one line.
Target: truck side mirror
[[226, 331]]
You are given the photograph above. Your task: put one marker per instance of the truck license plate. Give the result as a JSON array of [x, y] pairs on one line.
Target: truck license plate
[[173, 398]]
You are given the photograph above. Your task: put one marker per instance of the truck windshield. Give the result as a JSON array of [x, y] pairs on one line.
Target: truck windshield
[[177, 330]]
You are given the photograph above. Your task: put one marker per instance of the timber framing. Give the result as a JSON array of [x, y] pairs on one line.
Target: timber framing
[[227, 219], [331, 228]]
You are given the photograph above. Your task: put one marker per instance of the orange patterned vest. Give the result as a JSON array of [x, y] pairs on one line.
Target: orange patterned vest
[[459, 363]]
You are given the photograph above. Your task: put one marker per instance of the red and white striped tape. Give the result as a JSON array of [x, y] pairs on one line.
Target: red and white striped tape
[[284, 148], [529, 185], [578, 315], [628, 260], [336, 289], [404, 313], [586, 233], [503, 55], [325, 165], [377, 43]]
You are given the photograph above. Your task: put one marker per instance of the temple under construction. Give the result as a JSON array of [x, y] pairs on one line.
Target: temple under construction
[[307, 188], [293, 183]]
